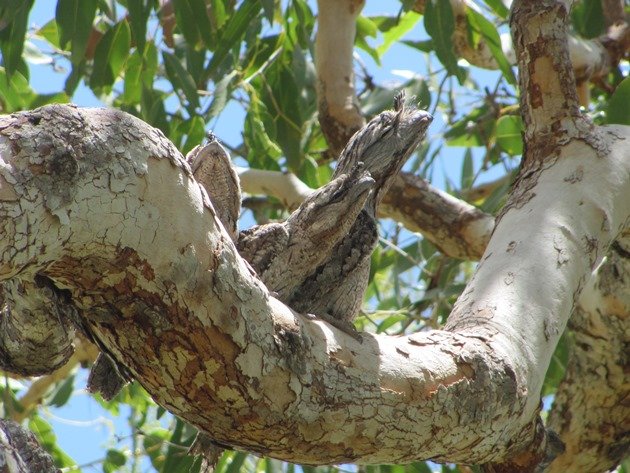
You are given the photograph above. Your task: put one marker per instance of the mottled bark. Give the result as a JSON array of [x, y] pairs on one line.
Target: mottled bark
[[128, 233], [20, 452], [590, 412]]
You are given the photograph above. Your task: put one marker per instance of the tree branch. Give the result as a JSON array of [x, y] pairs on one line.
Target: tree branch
[[457, 228], [339, 114], [590, 412], [125, 227], [20, 452]]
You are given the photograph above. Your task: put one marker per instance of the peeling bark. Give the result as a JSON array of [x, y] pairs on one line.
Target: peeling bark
[[590, 412], [117, 220]]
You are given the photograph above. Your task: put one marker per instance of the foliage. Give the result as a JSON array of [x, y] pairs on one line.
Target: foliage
[[181, 65]]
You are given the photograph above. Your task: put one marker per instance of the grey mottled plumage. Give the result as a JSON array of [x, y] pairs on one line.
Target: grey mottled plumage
[[211, 166], [335, 291], [284, 254]]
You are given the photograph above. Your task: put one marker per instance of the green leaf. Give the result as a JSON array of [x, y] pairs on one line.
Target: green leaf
[[45, 99], [149, 64], [110, 56], [498, 7], [269, 8], [153, 111], [262, 151], [202, 22], [418, 467], [467, 170], [44, 432], [489, 32], [181, 79], [405, 24], [195, 133], [473, 129], [132, 90], [234, 30], [557, 366], [426, 46], [12, 36], [588, 18], [9, 9], [63, 392], [186, 21], [301, 28], [440, 24], [367, 28], [618, 110], [139, 11], [113, 460], [50, 32], [236, 463], [218, 16], [220, 95], [153, 441], [74, 20], [509, 134], [495, 200], [175, 462], [15, 92]]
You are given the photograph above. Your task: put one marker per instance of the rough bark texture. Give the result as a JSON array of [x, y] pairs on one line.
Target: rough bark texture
[[107, 209], [591, 412], [20, 452], [204, 337]]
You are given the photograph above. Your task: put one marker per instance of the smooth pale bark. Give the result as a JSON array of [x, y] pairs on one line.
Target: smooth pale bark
[[339, 114], [115, 217]]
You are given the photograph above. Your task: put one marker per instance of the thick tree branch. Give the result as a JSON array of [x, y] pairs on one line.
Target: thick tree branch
[[455, 227], [339, 114], [590, 411], [20, 452], [555, 130], [122, 225]]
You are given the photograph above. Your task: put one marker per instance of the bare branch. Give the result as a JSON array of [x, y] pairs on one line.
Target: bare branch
[[339, 114], [455, 227]]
